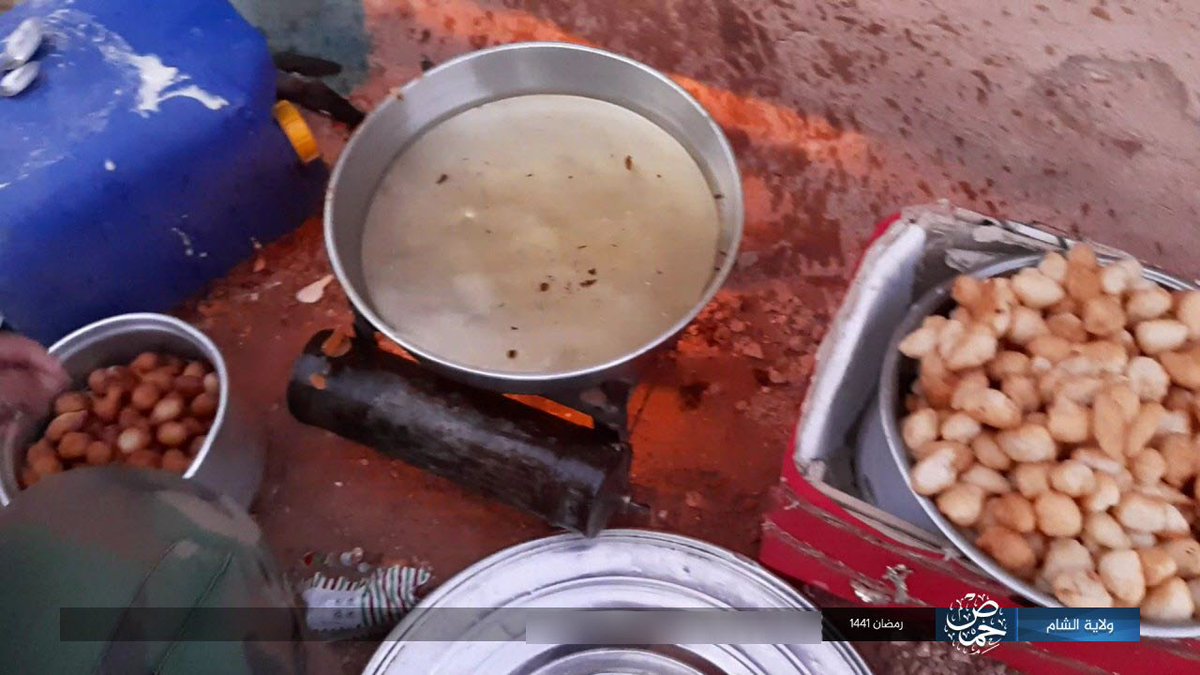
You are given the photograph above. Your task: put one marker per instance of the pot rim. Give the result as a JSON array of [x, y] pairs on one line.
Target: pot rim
[[525, 381], [562, 553], [934, 300]]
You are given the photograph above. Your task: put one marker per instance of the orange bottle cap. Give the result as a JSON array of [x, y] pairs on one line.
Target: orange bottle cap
[[298, 132]]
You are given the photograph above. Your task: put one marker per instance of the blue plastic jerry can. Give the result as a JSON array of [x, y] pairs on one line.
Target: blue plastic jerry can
[[144, 160]]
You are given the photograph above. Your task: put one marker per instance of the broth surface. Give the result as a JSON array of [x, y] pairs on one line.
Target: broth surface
[[539, 233]]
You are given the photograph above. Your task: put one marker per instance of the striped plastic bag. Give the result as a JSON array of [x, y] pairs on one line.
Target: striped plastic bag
[[344, 608]]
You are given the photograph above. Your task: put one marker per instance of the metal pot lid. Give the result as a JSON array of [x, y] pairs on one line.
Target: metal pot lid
[[619, 569]]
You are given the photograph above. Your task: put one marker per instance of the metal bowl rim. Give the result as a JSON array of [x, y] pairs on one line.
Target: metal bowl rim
[[889, 385], [715, 282], [140, 320], [627, 535], [753, 569]]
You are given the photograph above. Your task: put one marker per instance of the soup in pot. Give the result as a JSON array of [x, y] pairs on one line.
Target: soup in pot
[[539, 234]]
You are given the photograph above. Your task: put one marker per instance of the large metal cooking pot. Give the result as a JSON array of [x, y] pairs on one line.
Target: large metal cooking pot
[[898, 373], [504, 72], [231, 461], [455, 628]]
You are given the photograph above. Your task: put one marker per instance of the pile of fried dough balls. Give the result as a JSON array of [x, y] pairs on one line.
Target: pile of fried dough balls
[[1053, 419], [154, 413]]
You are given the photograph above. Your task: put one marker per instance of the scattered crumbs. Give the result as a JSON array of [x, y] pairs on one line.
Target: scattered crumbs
[[592, 271], [628, 162], [716, 268], [442, 179], [658, 175], [570, 177], [529, 175], [315, 291], [581, 246], [512, 328], [755, 351], [718, 196], [613, 245], [426, 63], [512, 353], [587, 283], [399, 95], [488, 231], [544, 286], [658, 271]]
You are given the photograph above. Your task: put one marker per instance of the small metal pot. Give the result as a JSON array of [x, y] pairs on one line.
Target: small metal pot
[[898, 373], [504, 72], [231, 461]]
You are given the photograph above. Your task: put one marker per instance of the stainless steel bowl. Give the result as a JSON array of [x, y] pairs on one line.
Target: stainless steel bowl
[[231, 461], [619, 569], [505, 72], [899, 371]]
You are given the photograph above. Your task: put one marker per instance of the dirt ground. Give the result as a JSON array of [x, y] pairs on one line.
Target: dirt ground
[[711, 424], [1080, 114]]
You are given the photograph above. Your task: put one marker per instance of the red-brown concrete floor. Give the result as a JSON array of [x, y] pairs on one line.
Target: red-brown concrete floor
[[710, 428], [839, 112], [711, 423]]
